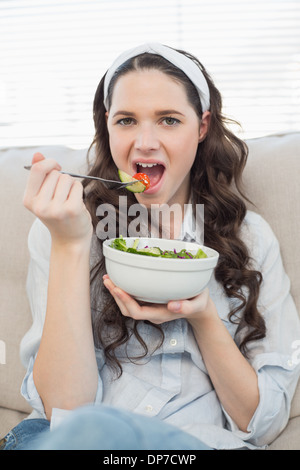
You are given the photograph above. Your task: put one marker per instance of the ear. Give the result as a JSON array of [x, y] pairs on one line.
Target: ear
[[204, 125], [106, 116]]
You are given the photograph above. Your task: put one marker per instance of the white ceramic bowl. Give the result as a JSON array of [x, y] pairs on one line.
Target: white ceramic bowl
[[159, 280]]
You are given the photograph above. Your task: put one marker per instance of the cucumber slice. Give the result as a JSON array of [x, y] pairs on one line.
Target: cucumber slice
[[139, 187], [151, 251]]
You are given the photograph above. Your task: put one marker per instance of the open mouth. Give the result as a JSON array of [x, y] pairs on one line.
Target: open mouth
[[154, 171]]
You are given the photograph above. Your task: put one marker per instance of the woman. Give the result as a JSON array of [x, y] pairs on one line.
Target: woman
[[214, 371]]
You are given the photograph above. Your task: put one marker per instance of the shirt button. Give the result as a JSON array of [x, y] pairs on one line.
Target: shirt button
[[290, 363], [149, 408], [173, 342]]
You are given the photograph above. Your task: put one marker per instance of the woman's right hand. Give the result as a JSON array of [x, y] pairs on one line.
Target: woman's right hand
[[57, 200]]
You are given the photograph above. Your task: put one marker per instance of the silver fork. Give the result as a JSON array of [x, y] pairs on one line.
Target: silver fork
[[110, 184]]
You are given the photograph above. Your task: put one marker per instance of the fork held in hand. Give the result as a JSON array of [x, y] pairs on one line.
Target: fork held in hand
[[110, 184]]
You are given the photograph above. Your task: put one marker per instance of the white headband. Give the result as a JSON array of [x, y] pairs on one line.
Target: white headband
[[181, 61]]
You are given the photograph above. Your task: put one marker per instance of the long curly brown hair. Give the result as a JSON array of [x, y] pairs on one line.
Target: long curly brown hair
[[215, 182]]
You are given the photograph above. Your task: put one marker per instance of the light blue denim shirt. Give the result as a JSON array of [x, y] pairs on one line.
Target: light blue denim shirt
[[173, 383]]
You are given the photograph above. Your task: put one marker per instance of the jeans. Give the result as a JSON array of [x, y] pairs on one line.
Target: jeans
[[101, 428], [21, 435]]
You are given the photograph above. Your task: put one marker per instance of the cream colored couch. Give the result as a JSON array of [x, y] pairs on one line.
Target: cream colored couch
[[272, 179]]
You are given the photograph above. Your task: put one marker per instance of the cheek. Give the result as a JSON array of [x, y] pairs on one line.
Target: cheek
[[117, 149], [185, 149], [189, 136]]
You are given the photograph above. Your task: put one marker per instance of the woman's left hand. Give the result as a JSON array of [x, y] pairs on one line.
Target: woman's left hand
[[193, 309]]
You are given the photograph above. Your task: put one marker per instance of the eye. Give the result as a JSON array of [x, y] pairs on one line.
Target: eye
[[170, 121], [125, 121]]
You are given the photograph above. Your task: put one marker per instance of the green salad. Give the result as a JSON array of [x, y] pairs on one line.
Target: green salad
[[120, 244]]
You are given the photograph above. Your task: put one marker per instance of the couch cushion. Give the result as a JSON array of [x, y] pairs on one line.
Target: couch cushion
[[15, 317], [271, 181], [289, 439]]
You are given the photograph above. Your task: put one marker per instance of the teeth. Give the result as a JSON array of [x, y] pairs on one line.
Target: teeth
[[147, 165]]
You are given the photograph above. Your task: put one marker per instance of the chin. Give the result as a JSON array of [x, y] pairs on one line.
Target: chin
[[151, 199]]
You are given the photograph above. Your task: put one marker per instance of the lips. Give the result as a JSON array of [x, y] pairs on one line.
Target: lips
[[153, 170]]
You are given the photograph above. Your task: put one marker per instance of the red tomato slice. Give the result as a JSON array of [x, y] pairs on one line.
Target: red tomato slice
[[143, 178]]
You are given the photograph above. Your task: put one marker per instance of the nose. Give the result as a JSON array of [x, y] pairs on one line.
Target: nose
[[146, 138]]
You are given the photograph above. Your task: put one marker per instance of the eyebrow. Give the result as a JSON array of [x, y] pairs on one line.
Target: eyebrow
[[163, 112], [168, 111]]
